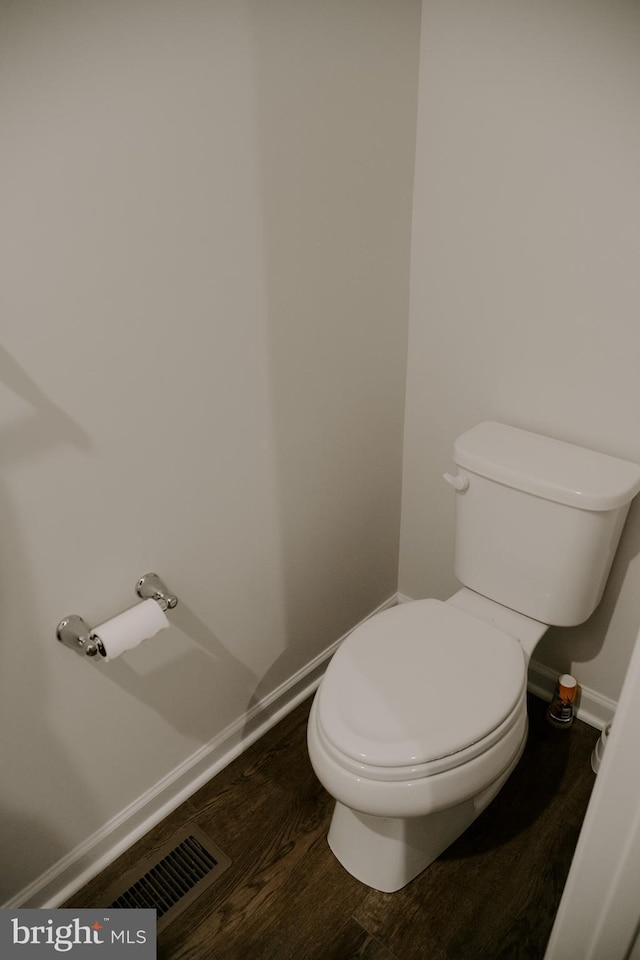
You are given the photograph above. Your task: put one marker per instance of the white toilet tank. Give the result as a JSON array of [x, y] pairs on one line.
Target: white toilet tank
[[538, 525]]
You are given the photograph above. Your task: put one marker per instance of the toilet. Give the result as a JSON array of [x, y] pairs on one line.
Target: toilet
[[421, 715]]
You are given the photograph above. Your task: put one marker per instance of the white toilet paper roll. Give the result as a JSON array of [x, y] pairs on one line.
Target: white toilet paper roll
[[130, 628]]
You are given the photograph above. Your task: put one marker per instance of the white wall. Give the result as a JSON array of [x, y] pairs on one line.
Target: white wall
[[206, 226], [525, 291]]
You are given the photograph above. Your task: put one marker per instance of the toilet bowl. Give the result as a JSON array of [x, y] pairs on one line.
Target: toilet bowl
[[413, 738], [421, 715]]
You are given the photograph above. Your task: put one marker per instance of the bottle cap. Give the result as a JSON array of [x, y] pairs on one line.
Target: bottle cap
[[567, 687]]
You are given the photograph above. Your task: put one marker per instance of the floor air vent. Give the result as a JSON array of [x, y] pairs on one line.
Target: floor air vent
[[173, 877]]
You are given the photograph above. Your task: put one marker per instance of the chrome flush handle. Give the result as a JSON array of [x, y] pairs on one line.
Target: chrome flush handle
[[457, 482]]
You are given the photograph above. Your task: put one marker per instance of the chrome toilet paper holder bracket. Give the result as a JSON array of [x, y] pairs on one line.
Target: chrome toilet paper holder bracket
[[76, 633], [151, 587]]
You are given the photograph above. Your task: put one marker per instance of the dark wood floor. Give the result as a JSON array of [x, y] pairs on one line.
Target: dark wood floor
[[492, 895]]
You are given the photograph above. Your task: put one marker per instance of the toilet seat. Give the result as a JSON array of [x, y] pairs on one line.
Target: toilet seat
[[419, 689]]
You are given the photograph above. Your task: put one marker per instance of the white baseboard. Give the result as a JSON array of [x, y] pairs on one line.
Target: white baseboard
[[83, 863]]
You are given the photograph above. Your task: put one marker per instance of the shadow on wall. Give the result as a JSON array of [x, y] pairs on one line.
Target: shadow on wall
[[48, 426], [207, 671], [566, 646], [25, 705]]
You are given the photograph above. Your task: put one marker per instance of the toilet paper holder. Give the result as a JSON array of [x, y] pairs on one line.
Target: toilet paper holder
[[75, 632]]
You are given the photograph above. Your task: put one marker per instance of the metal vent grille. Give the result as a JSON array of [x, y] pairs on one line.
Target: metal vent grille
[[178, 873]]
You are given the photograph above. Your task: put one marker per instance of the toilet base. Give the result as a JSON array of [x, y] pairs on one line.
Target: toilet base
[[386, 853]]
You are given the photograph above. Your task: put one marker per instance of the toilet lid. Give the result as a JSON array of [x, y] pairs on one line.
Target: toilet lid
[[419, 682]]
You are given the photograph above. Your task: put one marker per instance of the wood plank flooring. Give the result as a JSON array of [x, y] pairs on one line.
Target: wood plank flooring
[[492, 895]]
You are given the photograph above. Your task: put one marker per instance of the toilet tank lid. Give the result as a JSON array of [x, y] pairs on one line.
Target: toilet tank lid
[[547, 468]]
